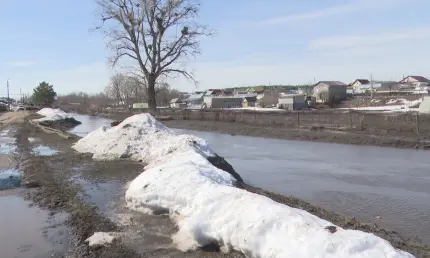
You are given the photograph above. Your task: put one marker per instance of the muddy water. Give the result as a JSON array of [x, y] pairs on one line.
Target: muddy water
[[27, 231], [89, 123], [390, 187]]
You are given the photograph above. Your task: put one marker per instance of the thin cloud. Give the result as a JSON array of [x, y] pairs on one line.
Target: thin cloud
[[21, 63], [353, 6], [364, 41]]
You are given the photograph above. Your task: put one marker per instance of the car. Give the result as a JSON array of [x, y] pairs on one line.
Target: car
[[20, 107]]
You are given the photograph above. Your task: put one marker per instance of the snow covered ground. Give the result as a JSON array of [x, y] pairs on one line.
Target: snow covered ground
[[51, 114], [259, 109], [402, 105], [208, 208]]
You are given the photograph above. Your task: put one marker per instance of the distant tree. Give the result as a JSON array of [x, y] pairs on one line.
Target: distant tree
[[44, 94]]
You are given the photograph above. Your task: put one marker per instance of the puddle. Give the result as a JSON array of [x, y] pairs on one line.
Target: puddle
[[44, 151], [9, 179], [4, 132], [100, 193], [7, 145], [29, 232]]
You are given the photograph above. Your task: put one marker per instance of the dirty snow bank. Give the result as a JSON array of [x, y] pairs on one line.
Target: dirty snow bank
[[208, 208], [51, 114], [141, 138], [102, 238]]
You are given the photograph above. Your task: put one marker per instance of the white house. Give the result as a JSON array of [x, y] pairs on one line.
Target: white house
[[417, 82]]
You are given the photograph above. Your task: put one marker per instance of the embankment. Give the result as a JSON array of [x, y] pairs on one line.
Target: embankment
[[348, 127]]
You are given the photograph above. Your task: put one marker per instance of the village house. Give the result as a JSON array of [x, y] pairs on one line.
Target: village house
[[225, 102], [177, 103], [416, 82], [356, 85], [195, 100], [329, 91], [292, 102], [249, 102]]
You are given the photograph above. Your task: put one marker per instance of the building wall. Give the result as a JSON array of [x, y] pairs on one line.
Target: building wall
[[356, 84], [325, 93], [226, 102]]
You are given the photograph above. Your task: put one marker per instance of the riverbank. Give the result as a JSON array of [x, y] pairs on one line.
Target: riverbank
[[75, 183], [270, 131]]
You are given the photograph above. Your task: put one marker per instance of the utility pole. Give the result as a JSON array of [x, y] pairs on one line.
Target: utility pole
[[371, 86], [7, 85]]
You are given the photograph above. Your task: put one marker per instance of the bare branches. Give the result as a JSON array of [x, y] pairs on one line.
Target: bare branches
[[154, 34]]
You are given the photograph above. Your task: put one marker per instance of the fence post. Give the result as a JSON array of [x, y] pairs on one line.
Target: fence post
[[298, 120], [255, 116], [350, 119], [417, 118]]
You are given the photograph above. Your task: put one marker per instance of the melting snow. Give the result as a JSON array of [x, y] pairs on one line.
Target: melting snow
[[51, 114], [141, 138], [208, 208], [101, 238]]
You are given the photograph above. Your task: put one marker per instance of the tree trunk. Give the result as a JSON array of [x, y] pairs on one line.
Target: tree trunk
[[152, 103]]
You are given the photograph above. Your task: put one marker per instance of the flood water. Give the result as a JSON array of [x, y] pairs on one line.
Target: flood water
[[387, 186], [27, 231]]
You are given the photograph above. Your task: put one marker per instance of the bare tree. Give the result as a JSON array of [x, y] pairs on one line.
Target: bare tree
[[156, 34], [164, 94]]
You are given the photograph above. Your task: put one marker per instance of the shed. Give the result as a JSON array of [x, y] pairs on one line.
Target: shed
[[329, 91], [177, 103], [195, 100], [249, 101], [140, 105], [226, 102], [292, 102]]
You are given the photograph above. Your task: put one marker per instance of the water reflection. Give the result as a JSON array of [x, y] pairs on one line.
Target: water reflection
[[89, 124]]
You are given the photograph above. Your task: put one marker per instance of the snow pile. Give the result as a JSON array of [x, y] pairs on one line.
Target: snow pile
[[101, 238], [141, 138], [51, 114], [207, 209], [9, 179]]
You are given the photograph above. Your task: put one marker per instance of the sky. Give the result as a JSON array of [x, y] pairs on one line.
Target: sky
[[256, 42]]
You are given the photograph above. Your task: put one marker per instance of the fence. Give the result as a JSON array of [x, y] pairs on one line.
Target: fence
[[406, 124]]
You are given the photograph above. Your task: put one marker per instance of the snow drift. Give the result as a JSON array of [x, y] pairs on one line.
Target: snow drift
[[143, 138], [51, 114], [206, 205]]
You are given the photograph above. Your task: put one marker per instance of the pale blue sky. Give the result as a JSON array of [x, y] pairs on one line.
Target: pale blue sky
[[257, 42]]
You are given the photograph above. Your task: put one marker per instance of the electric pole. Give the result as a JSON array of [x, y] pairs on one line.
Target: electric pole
[[371, 86], [7, 85]]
